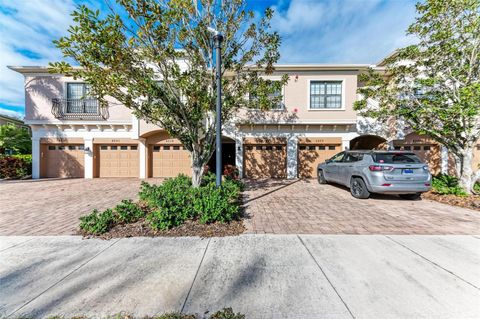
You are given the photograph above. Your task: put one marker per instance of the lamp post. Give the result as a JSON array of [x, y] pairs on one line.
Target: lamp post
[[218, 38]]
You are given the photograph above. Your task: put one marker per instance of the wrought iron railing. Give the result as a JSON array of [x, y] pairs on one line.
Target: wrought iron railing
[[78, 109]]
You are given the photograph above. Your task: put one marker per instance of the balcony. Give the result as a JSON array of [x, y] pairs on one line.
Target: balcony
[[78, 109]]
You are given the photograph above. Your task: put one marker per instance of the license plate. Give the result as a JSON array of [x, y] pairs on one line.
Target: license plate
[[408, 171]]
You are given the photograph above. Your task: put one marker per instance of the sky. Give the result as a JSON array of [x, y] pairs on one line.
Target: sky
[[312, 31]]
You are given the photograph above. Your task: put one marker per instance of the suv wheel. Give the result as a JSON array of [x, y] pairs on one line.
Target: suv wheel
[[410, 196], [358, 188], [321, 177]]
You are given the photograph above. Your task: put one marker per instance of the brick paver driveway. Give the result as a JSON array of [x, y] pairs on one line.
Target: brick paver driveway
[[307, 207], [53, 206]]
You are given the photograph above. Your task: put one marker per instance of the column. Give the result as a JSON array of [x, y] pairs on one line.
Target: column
[[444, 154], [36, 157], [88, 164], [142, 149], [239, 156], [292, 157], [345, 144]]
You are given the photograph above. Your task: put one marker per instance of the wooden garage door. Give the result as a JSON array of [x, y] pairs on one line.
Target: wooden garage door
[[476, 158], [118, 161], [170, 161], [65, 160], [310, 155], [265, 161]]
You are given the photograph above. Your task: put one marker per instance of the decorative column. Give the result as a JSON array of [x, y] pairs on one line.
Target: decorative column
[[345, 144], [36, 157], [142, 149], [88, 165], [292, 157], [239, 155]]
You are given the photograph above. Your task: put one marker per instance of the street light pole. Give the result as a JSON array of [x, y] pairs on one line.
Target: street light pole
[[218, 38]]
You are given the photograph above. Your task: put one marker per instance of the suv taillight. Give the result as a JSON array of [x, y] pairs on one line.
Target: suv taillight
[[378, 168]]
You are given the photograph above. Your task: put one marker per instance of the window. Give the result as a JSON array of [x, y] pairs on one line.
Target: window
[[133, 147], [249, 147], [51, 147], [395, 158], [398, 148], [417, 148], [79, 99], [302, 147], [124, 147], [166, 148], [278, 147], [71, 147], [156, 148], [113, 148], [322, 148], [81, 147], [176, 148], [407, 148], [258, 148], [338, 158], [104, 147], [61, 147], [325, 94], [331, 147], [268, 147], [353, 157], [426, 148]]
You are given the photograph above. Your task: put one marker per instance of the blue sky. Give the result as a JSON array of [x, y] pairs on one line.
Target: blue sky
[[313, 31]]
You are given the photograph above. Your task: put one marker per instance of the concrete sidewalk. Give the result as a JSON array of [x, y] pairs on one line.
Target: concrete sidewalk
[[263, 276]]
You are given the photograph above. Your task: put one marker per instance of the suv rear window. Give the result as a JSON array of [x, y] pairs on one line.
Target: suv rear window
[[395, 158]]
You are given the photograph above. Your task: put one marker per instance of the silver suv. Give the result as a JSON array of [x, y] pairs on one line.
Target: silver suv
[[385, 172]]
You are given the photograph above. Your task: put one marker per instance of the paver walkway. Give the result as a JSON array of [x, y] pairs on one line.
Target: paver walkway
[[53, 206], [262, 276], [306, 207]]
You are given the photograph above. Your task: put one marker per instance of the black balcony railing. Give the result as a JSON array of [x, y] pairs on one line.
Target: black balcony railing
[[78, 109]]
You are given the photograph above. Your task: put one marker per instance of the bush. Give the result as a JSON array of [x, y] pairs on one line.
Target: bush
[[227, 313], [15, 166], [175, 201], [447, 185], [476, 188], [128, 212], [97, 223]]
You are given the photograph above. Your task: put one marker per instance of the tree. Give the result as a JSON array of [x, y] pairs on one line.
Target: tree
[[433, 85], [156, 57], [15, 139]]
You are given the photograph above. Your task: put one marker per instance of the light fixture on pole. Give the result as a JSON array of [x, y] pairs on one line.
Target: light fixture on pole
[[218, 38]]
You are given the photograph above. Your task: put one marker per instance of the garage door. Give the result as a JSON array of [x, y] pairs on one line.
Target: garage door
[[118, 161], [268, 160], [476, 158], [170, 161], [63, 160], [309, 156]]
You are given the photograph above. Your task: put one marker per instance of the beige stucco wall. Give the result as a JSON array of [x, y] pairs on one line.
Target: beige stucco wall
[[41, 89], [296, 98]]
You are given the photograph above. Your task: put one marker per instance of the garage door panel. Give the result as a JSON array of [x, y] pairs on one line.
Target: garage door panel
[[265, 161], [60, 161], [118, 161], [309, 156], [170, 161]]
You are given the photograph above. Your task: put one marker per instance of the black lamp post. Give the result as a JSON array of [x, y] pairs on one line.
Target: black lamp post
[[218, 38]]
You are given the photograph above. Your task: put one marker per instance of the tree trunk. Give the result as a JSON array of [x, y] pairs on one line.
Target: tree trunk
[[465, 171], [197, 168]]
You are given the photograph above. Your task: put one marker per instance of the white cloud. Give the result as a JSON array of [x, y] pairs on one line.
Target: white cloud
[[15, 114], [336, 31], [27, 28]]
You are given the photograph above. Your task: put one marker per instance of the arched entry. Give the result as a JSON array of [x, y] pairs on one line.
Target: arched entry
[[367, 142]]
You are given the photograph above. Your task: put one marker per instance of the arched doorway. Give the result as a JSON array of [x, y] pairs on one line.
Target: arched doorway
[[367, 142]]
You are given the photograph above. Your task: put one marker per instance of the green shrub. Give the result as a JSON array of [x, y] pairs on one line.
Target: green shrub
[[447, 185], [227, 313], [97, 223], [128, 212], [175, 201], [476, 188], [15, 166]]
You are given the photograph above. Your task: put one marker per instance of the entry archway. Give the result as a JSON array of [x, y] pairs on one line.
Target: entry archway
[[367, 142]]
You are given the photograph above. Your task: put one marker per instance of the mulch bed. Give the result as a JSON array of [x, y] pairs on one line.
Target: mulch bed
[[189, 228], [472, 201]]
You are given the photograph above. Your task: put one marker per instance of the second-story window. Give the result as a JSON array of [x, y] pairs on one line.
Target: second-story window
[[79, 99], [278, 106], [325, 94]]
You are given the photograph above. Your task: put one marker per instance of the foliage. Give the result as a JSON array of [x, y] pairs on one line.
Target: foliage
[[16, 139], [476, 188], [97, 223], [227, 313], [434, 85], [175, 201], [15, 166], [447, 185], [163, 50], [128, 212]]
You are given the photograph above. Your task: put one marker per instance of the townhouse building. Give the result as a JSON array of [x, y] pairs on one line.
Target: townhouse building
[[73, 136]]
